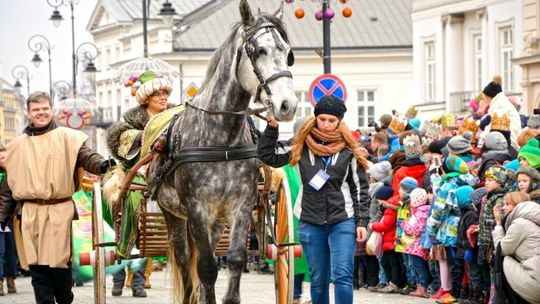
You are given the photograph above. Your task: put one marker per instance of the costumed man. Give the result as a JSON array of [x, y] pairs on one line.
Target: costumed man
[[125, 144], [42, 166]]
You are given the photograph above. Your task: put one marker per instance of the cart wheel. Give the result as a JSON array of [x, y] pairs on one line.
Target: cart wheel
[[284, 266], [98, 238]]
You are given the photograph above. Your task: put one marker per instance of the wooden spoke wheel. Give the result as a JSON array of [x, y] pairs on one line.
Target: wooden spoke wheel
[[284, 259]]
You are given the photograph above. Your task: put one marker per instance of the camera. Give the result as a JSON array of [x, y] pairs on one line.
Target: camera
[[373, 124], [536, 111]]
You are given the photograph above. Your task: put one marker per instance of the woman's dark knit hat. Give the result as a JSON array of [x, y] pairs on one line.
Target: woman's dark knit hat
[[494, 87], [330, 104]]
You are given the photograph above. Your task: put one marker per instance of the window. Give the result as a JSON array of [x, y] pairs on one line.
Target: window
[[366, 107], [429, 71], [477, 64], [506, 52], [304, 108], [107, 59]]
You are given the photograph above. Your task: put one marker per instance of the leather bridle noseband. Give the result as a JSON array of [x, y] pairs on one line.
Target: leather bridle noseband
[[251, 48]]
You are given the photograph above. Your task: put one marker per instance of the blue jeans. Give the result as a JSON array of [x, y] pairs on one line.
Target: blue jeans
[[298, 280], [408, 268], [137, 282], [420, 267], [8, 255], [329, 251]]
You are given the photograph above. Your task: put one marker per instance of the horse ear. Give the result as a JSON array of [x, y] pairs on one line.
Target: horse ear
[[279, 13], [245, 12]]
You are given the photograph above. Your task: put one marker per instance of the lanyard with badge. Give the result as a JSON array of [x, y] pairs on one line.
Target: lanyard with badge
[[318, 181]]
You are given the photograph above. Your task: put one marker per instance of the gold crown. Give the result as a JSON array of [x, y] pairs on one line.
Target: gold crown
[[501, 123], [396, 126], [411, 112], [449, 120], [469, 124]]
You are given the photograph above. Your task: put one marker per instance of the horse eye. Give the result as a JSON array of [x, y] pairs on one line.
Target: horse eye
[[261, 51]]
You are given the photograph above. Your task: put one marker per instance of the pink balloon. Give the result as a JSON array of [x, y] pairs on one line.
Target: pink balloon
[[289, 1], [329, 14], [319, 15]]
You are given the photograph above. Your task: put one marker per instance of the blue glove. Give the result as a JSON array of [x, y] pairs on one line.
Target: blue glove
[[468, 255]]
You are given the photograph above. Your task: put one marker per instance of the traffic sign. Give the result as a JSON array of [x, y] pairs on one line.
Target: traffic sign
[[327, 84]]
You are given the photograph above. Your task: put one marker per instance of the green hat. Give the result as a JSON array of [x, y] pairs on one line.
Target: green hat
[[531, 152], [453, 163]]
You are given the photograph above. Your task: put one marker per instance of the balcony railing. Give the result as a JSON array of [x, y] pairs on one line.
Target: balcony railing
[[459, 101], [103, 117]]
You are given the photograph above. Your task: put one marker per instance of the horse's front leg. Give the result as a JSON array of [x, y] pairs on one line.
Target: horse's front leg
[[206, 265], [237, 257]]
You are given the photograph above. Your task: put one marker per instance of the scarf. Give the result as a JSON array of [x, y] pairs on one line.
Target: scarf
[[30, 130], [332, 142]]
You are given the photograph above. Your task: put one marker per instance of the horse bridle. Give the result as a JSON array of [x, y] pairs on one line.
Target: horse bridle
[[251, 48]]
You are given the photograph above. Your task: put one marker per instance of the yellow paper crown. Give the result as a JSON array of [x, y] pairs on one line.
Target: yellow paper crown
[[411, 112], [501, 123], [449, 120], [396, 126], [469, 124]]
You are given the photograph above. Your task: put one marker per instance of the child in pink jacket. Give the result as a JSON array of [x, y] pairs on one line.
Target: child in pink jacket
[[414, 227]]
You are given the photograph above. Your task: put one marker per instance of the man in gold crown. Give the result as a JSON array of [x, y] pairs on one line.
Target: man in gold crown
[[498, 103]]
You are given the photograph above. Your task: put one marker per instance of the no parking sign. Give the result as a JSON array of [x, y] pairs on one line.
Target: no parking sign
[[327, 84]]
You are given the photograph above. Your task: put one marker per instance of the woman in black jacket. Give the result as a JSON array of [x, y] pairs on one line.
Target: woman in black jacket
[[333, 201]]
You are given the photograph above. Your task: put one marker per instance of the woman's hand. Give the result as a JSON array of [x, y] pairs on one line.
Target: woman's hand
[[361, 234], [497, 215], [271, 121]]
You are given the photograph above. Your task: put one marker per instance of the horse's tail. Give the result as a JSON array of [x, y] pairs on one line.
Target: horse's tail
[[179, 289]]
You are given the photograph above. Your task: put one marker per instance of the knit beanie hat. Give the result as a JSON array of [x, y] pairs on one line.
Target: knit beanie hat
[[380, 170], [460, 144], [414, 123], [497, 173], [477, 196], [149, 84], [386, 120], [494, 87], [531, 152], [463, 195], [474, 105], [332, 105], [418, 197], [495, 141], [412, 146], [454, 163], [408, 184], [384, 193], [533, 174]]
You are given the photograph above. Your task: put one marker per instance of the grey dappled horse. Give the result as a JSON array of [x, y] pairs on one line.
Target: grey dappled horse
[[198, 198]]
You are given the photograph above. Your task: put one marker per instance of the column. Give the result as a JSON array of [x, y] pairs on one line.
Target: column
[[453, 59]]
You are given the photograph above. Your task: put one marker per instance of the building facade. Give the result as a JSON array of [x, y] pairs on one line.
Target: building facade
[[530, 59], [458, 46], [12, 119]]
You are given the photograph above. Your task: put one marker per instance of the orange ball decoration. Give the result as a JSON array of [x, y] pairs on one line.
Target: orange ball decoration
[[343, 1], [347, 12], [299, 13]]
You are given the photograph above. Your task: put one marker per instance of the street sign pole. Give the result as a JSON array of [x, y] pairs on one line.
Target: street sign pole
[[326, 39]]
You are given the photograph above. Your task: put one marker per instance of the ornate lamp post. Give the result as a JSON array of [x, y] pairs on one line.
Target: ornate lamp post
[[21, 72], [37, 43], [326, 14]]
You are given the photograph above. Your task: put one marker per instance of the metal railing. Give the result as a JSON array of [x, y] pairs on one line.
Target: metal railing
[[103, 117], [459, 101]]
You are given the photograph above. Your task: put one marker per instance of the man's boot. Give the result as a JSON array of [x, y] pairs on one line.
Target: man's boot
[[117, 290], [11, 285], [147, 273], [1, 287]]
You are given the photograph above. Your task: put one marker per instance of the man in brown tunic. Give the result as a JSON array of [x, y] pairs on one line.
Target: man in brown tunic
[[41, 169]]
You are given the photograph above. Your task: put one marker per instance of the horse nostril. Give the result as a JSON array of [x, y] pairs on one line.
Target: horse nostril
[[285, 106]]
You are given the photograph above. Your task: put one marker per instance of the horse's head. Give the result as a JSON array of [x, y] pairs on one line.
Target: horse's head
[[263, 60]]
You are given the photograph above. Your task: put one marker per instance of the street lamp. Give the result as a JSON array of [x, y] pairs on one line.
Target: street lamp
[[87, 51], [21, 72], [37, 43], [168, 12]]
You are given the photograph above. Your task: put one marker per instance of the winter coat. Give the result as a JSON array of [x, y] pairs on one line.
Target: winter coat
[[343, 196], [501, 105], [387, 225], [403, 239], [414, 227], [415, 169], [469, 216], [487, 219], [520, 247]]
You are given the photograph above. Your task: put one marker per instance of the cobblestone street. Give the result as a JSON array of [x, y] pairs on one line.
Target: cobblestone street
[[255, 288]]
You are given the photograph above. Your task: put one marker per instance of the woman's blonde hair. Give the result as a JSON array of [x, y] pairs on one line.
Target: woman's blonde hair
[[516, 197], [310, 123]]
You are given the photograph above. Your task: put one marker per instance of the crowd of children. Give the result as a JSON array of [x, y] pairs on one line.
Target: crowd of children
[[455, 205]]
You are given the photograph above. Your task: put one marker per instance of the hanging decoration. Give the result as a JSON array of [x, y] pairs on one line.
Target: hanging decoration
[[330, 13], [74, 113]]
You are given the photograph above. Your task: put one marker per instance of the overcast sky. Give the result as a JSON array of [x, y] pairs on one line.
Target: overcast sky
[[20, 19]]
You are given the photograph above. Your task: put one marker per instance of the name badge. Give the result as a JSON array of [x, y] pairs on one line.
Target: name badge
[[318, 181]]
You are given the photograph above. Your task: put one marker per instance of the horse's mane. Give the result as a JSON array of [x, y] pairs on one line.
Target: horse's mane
[[220, 52]]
